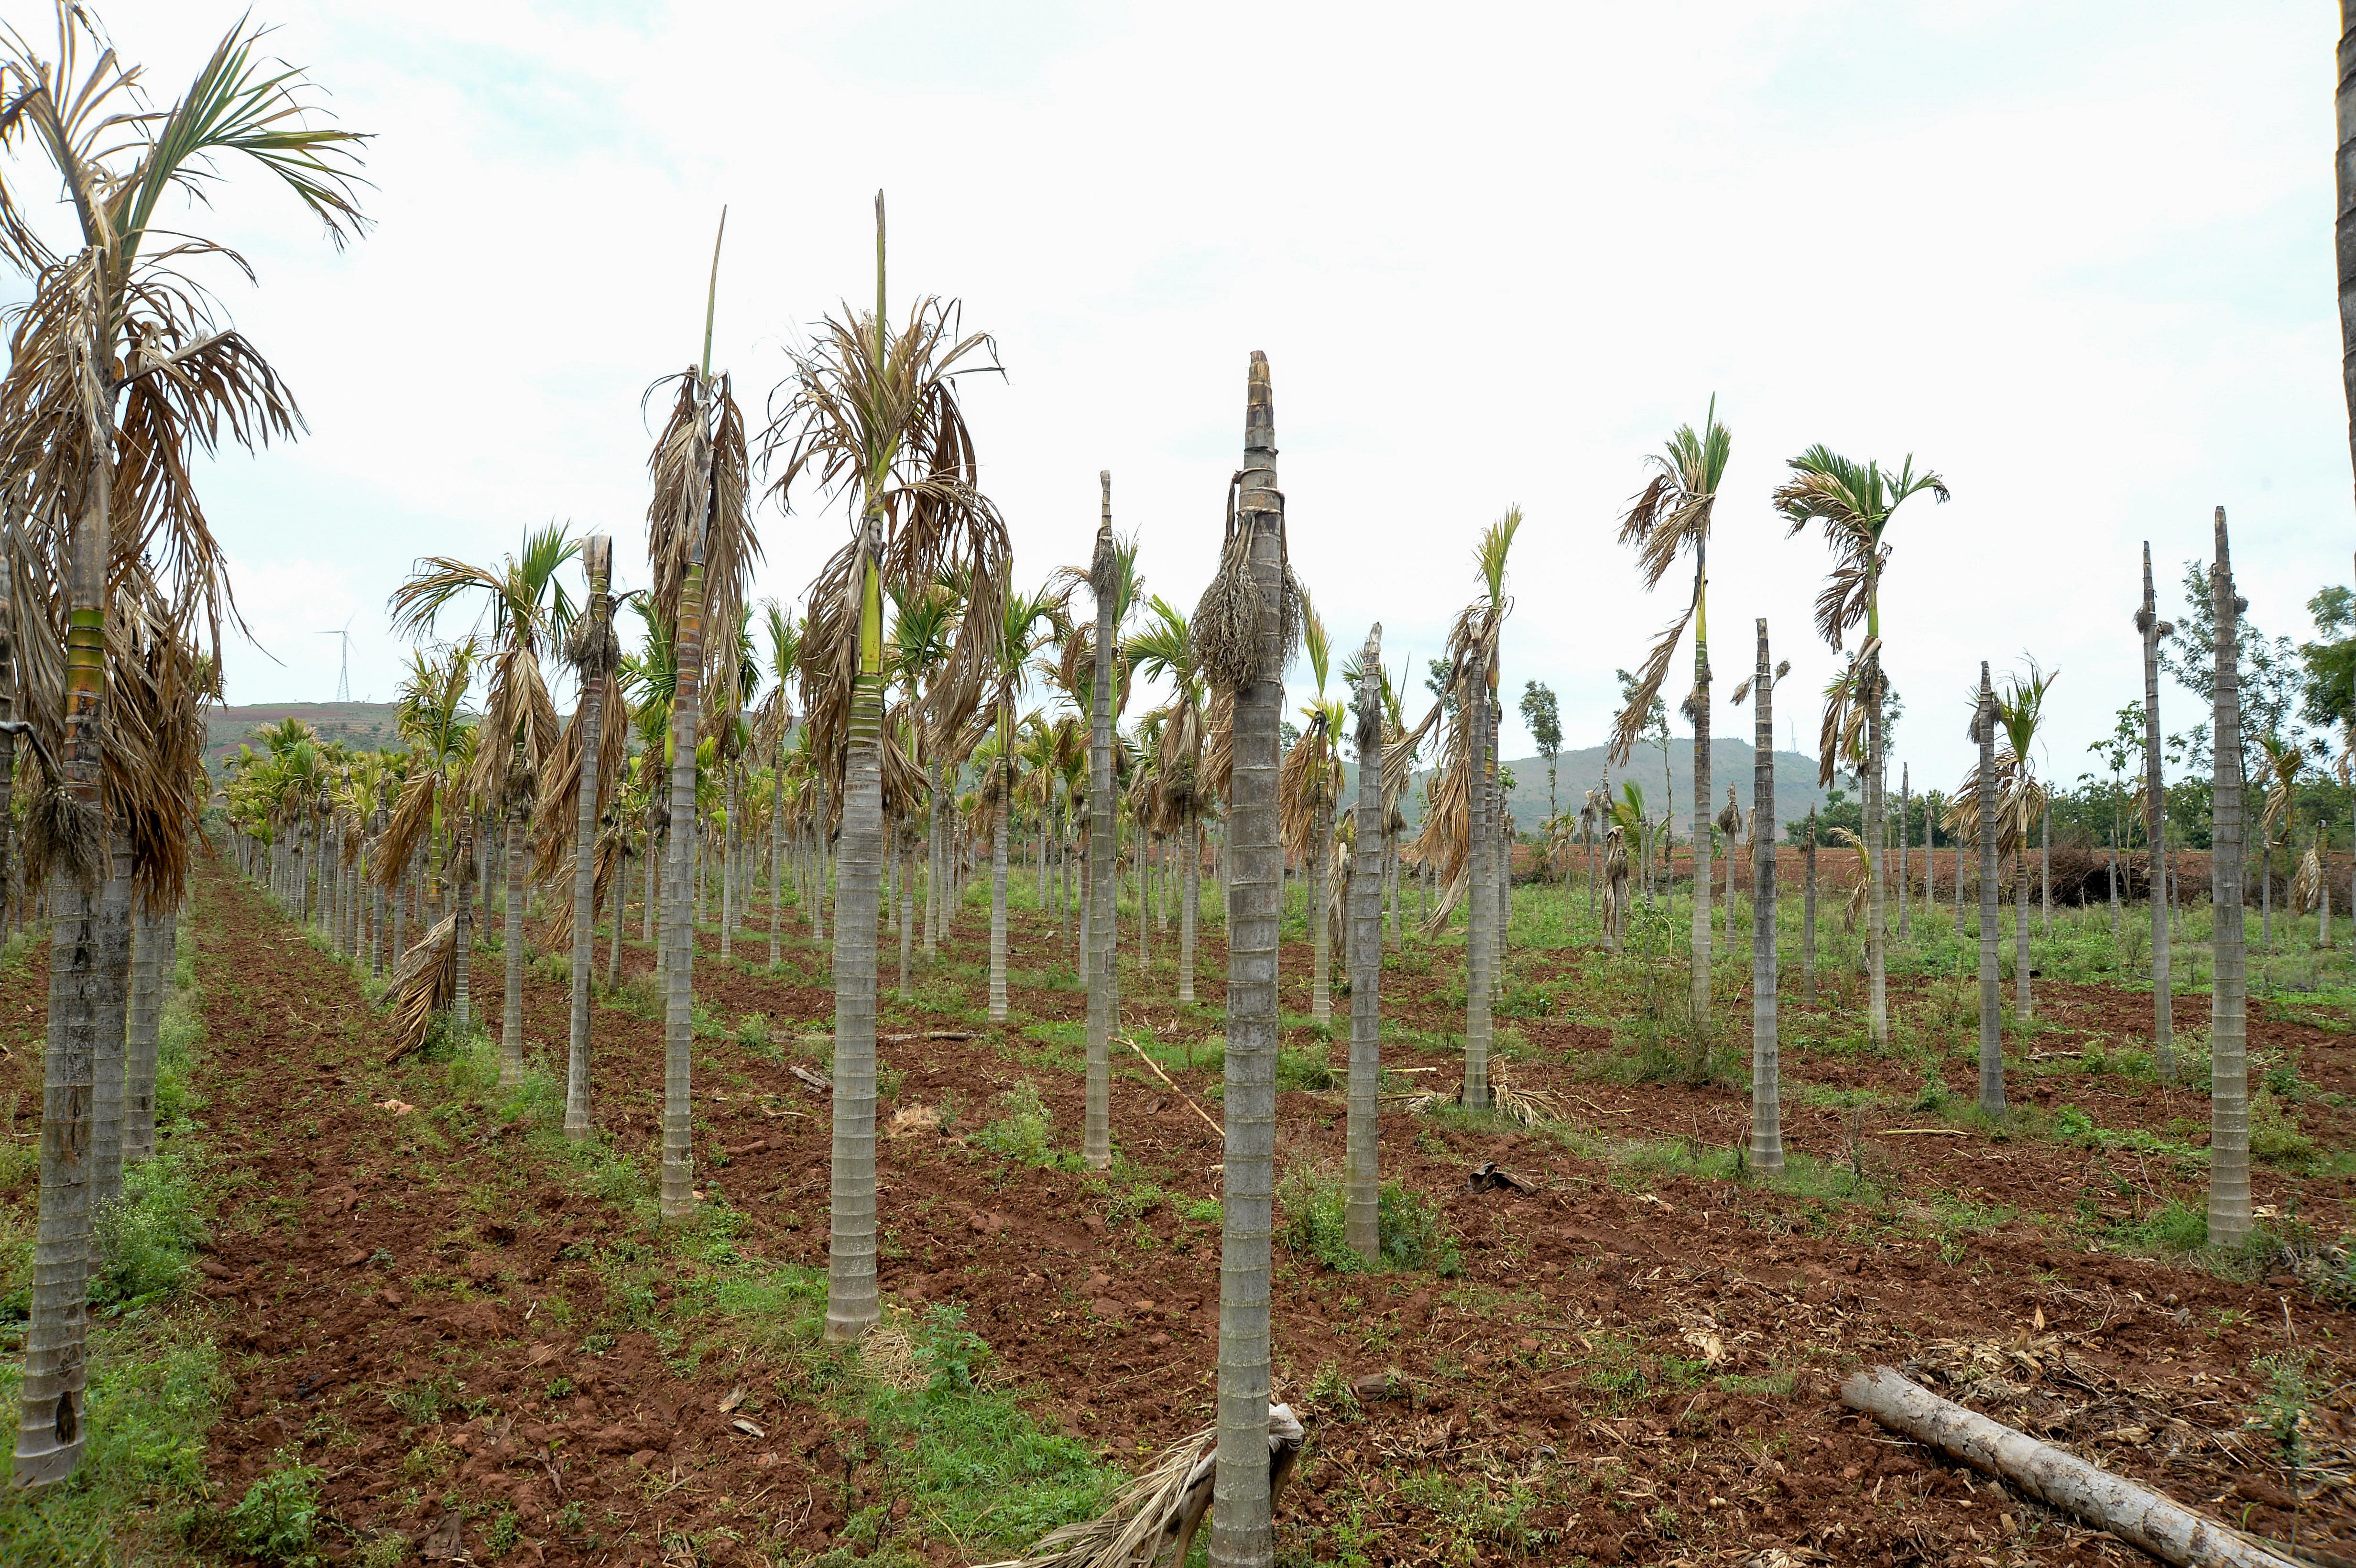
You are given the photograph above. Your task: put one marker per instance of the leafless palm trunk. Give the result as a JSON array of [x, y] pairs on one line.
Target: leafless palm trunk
[[620, 904], [730, 891], [1699, 712], [511, 860], [1905, 832], [1877, 907], [2023, 1000], [1361, 1170], [1190, 895], [998, 889], [1481, 850], [598, 553], [851, 1305], [147, 929], [2229, 1066], [2344, 226], [1984, 787], [110, 1070], [2155, 814], [462, 1014], [1242, 1535], [678, 1200], [1808, 914], [1766, 1101], [1103, 573], [904, 882]]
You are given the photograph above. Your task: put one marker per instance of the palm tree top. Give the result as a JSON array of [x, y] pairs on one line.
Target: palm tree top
[[1854, 501], [1671, 515]]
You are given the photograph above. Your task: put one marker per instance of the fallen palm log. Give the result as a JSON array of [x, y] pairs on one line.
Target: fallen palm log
[[2136, 1514], [1155, 1517]]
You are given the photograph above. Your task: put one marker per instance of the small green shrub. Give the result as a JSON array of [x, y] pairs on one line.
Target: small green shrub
[[1408, 1230], [953, 1351], [1027, 1131], [275, 1520], [2276, 1138]]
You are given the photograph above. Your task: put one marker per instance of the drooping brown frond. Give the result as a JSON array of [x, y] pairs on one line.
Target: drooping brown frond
[[426, 983], [407, 827], [1628, 725], [702, 486], [556, 818]]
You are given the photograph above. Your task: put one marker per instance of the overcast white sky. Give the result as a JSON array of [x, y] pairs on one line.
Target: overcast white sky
[[2078, 258]]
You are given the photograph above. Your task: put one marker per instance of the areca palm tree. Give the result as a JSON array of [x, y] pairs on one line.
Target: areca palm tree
[[118, 378], [701, 547], [1244, 628], [1855, 501], [1361, 1170], [1766, 1062], [871, 414], [1668, 518], [528, 612]]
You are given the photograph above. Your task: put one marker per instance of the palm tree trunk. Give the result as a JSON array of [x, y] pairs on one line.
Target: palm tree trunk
[[904, 882], [598, 553], [511, 859], [729, 890], [2111, 874], [2023, 1000], [1877, 931], [1985, 792], [777, 854], [1242, 1535], [2229, 1066], [997, 887], [1481, 848], [2156, 806], [1190, 894], [1361, 1176], [1321, 936], [400, 917], [818, 872], [1905, 832], [620, 905], [1766, 1101], [2045, 866], [462, 1016], [678, 1199], [1702, 876], [852, 1306], [146, 1006], [1808, 914], [108, 1067], [1103, 571], [376, 915], [647, 915]]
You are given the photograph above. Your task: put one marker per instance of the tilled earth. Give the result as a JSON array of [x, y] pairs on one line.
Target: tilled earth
[[1636, 1362]]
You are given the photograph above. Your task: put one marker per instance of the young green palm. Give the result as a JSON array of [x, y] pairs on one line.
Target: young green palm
[[1671, 517], [871, 413], [1853, 502]]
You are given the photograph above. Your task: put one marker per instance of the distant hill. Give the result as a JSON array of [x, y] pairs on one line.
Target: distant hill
[[362, 725], [1730, 762]]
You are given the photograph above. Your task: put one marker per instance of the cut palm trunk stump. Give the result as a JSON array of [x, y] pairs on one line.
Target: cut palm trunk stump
[[1153, 1520], [2136, 1514]]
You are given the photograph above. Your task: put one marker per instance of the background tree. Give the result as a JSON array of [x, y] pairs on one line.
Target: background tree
[[1855, 501], [1542, 717], [1668, 518], [1164, 649]]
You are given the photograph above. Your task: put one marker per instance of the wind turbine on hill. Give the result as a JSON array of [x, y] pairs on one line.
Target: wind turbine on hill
[[344, 670]]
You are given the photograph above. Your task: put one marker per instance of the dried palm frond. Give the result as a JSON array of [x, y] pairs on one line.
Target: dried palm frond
[[556, 817], [1218, 774], [700, 508], [1156, 1515], [1526, 1108], [426, 983], [2307, 887], [612, 843]]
